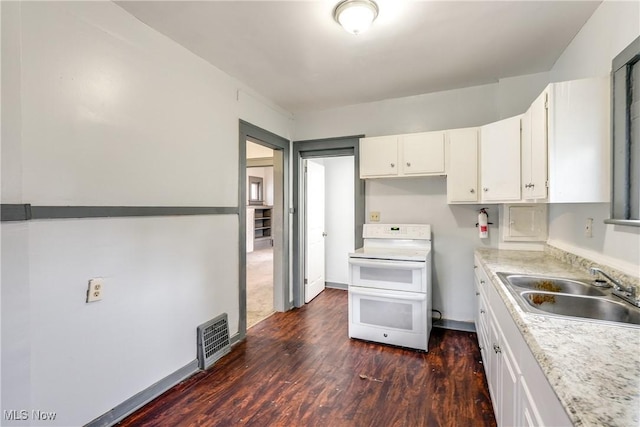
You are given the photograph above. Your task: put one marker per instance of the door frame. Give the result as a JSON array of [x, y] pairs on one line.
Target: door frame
[[328, 147], [282, 300]]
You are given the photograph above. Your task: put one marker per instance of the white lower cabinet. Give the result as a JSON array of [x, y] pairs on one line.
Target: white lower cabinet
[[529, 415], [517, 385], [505, 375]]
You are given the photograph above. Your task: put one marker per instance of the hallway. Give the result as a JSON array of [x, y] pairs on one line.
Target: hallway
[[259, 285]]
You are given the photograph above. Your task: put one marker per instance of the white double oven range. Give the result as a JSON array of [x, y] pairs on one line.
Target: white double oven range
[[390, 286]]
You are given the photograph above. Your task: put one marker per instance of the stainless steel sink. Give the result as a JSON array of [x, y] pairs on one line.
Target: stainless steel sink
[[580, 306], [552, 284], [555, 296]]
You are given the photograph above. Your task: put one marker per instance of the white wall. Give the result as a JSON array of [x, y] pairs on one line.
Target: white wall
[[515, 94], [441, 110], [98, 109], [266, 173], [612, 27], [339, 217]]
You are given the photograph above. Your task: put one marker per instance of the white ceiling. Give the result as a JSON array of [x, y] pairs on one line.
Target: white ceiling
[[295, 54]]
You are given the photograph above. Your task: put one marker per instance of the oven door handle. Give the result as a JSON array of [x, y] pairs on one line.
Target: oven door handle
[[398, 265], [407, 296]]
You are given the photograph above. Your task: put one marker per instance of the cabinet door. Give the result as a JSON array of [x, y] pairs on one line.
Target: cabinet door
[[378, 156], [462, 165], [509, 393], [504, 376], [493, 365], [537, 152], [500, 160], [525, 145], [580, 141], [529, 416], [422, 153]]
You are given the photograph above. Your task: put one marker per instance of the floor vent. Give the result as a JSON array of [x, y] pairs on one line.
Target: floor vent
[[213, 341]]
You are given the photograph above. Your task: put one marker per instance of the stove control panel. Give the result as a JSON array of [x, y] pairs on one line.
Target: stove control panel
[[397, 231]]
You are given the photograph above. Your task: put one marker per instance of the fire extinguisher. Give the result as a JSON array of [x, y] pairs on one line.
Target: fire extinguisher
[[483, 224]]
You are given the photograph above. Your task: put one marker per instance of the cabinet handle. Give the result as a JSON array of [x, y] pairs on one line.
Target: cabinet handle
[[475, 266], [409, 164], [477, 293], [485, 189], [393, 165], [497, 349], [472, 191], [482, 282], [482, 311], [532, 185]]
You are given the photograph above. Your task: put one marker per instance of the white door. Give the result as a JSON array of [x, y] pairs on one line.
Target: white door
[[314, 226]]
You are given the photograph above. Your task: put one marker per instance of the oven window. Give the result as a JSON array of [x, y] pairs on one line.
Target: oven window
[[386, 314], [386, 275]]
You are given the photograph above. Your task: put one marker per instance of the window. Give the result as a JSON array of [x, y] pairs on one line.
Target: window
[[625, 120], [255, 190]]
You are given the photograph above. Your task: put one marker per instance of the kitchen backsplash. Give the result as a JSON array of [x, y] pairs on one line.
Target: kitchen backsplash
[[583, 263]]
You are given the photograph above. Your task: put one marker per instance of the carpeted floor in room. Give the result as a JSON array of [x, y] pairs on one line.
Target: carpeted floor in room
[[259, 285]]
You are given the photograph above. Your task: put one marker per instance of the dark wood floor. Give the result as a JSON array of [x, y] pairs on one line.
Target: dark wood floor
[[300, 369]]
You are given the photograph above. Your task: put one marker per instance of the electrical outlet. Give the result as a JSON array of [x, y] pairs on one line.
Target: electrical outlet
[[374, 216], [588, 228], [94, 293]]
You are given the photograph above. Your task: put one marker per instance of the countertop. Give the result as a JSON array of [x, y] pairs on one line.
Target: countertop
[[593, 368]]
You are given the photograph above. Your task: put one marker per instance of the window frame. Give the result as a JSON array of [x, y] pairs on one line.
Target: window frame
[[623, 160]]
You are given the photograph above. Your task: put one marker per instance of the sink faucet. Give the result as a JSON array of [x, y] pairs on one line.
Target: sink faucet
[[628, 293]]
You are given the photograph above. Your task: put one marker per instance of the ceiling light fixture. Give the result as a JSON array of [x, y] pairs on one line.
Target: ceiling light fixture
[[355, 16]]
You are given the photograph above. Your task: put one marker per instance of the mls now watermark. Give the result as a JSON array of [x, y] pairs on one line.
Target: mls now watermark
[[25, 415]]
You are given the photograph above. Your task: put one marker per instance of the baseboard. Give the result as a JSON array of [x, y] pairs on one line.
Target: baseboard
[[335, 285], [455, 325], [235, 339], [145, 396]]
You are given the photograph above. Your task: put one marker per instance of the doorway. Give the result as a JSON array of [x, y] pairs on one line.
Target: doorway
[[325, 151], [259, 266], [263, 224], [329, 212]]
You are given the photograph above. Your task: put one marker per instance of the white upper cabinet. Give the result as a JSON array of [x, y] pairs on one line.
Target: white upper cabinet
[[379, 156], [422, 153], [417, 154], [500, 160], [534, 150], [579, 141], [462, 165]]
